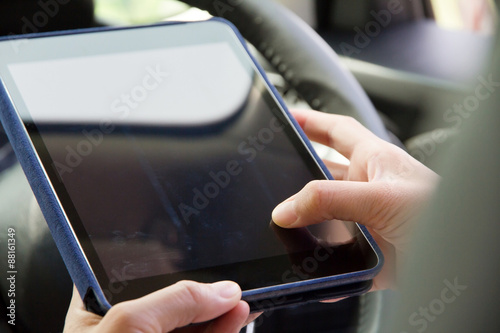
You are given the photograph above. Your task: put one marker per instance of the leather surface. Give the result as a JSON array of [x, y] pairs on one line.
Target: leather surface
[[423, 48], [43, 285], [303, 59], [68, 247], [75, 262]]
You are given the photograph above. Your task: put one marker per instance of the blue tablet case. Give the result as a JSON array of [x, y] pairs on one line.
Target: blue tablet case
[[92, 293]]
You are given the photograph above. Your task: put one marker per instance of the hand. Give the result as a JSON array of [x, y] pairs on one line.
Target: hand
[[176, 306], [382, 188]]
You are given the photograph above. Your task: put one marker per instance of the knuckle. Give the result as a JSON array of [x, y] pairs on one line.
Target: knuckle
[[317, 199], [387, 192], [188, 296], [387, 195], [350, 121], [191, 292], [122, 315]]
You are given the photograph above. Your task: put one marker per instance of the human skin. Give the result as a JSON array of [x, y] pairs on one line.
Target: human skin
[[218, 307], [383, 188]]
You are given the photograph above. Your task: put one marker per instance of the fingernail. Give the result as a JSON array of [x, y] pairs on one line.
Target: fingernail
[[227, 289], [284, 214]]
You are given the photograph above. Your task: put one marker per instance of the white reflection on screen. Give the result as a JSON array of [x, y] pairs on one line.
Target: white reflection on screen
[[181, 86]]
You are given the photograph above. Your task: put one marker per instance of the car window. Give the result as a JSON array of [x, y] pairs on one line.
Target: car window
[[127, 12], [472, 15]]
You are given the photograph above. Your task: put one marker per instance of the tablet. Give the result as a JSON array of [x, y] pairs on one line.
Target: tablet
[[158, 153]]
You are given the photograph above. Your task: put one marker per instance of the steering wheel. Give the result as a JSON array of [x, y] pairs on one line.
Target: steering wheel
[[294, 49], [305, 60]]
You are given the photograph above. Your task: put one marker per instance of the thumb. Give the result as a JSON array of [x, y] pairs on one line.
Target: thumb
[[182, 304], [322, 200]]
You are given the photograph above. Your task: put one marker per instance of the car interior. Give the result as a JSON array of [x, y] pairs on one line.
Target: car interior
[[399, 67]]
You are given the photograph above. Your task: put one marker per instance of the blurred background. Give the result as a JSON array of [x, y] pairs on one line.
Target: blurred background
[[415, 64], [472, 15]]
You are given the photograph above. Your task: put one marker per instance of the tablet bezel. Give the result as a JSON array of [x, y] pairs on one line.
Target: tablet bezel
[[33, 162]]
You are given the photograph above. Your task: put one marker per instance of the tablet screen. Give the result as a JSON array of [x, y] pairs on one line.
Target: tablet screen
[[168, 155]]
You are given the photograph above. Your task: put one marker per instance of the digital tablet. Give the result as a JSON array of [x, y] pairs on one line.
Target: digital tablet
[[158, 153]]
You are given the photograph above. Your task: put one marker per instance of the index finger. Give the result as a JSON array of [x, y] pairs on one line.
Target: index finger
[[176, 306], [341, 133]]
